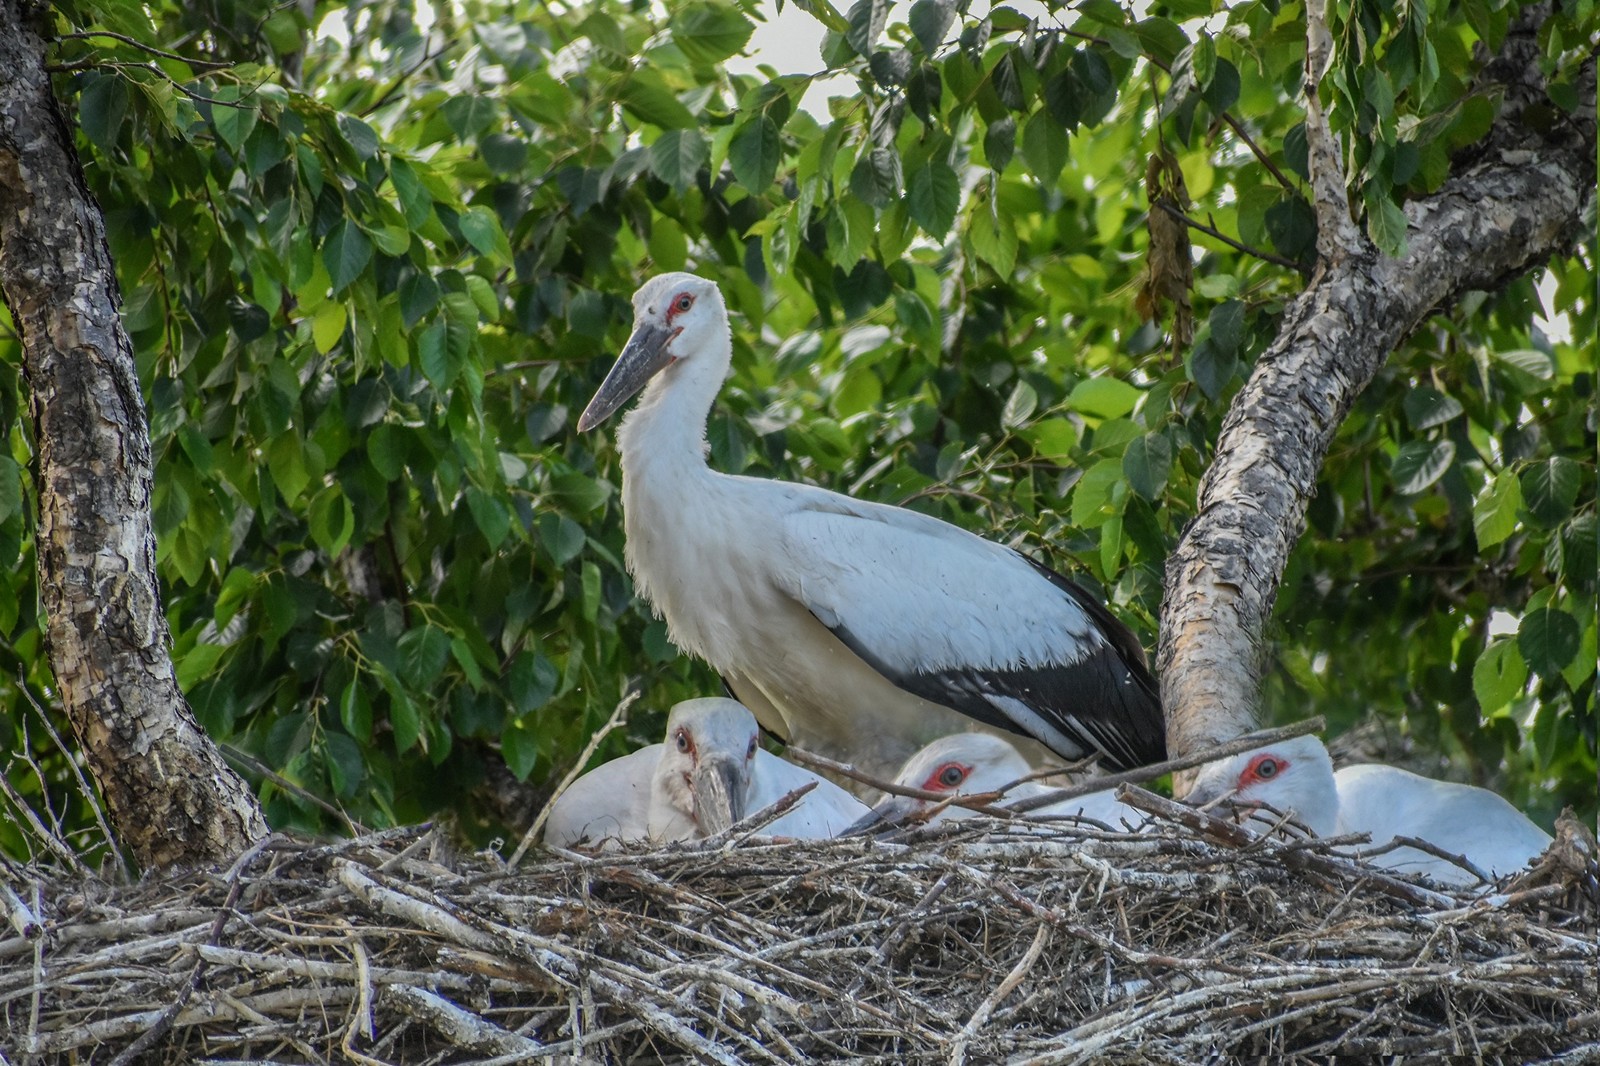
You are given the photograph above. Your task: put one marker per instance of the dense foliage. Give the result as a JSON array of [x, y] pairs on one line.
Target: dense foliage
[[372, 275]]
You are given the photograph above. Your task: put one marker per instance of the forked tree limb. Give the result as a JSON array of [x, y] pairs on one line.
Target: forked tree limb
[[1508, 210]]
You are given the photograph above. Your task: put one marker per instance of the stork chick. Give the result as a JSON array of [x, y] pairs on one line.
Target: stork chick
[[969, 764], [708, 774], [1383, 801]]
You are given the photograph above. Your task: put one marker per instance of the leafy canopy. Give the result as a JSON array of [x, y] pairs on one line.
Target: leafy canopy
[[372, 276]]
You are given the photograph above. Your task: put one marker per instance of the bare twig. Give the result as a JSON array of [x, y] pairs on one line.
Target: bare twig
[[1337, 235], [90, 794], [199, 64], [619, 718], [1212, 231], [256, 766]]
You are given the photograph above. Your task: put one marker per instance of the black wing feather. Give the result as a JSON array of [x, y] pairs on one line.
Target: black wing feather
[[1106, 702]]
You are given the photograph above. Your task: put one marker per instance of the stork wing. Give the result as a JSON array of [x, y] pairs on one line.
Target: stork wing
[[972, 625]]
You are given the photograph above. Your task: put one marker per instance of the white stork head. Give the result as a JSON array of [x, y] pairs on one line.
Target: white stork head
[[961, 764], [1294, 775], [705, 769], [677, 318]]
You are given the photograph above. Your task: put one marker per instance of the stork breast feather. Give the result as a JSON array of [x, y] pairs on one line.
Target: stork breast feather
[[923, 595]]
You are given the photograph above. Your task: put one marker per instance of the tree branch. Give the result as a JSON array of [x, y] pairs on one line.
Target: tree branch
[[1337, 234], [1212, 231], [1521, 203]]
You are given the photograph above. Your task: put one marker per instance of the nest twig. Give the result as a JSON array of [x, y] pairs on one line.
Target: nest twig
[[976, 941]]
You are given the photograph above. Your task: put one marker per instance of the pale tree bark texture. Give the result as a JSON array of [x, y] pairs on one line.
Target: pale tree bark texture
[[171, 796], [1516, 203]]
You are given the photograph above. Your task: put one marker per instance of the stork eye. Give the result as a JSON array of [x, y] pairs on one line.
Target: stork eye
[[681, 739], [683, 302], [1267, 768], [751, 752], [952, 775]]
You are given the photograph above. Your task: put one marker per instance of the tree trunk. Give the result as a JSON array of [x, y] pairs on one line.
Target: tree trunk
[[1520, 202], [171, 796]]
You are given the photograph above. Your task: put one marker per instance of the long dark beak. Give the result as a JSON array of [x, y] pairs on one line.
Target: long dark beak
[[889, 810], [718, 783], [642, 358]]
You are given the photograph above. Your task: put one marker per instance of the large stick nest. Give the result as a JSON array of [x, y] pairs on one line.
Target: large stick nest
[[984, 942]]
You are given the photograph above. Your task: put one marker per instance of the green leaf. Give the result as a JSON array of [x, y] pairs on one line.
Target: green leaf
[[1103, 397], [481, 227], [1147, 463], [1161, 38], [1550, 489], [1499, 676], [1000, 142], [677, 157], [1053, 438], [647, 96], [1494, 512], [346, 765], [287, 464], [101, 108], [405, 720], [419, 294], [346, 253], [386, 452], [1210, 368], [490, 514], [1420, 463], [1548, 639], [865, 24], [469, 115], [1044, 146], [1019, 406], [424, 650], [875, 179], [327, 325], [197, 664], [1093, 492], [1203, 60], [709, 33], [934, 197], [993, 241], [754, 152], [331, 520], [11, 500], [1386, 224], [355, 710], [1530, 361], [233, 121], [433, 356], [1428, 407], [519, 747], [1226, 322], [930, 21]]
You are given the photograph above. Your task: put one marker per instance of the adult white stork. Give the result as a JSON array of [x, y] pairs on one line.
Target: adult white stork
[[967, 764], [1383, 801], [708, 774], [855, 629]]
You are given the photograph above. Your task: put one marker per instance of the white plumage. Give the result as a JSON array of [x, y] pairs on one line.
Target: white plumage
[[967, 764], [1383, 801], [855, 629], [709, 773]]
